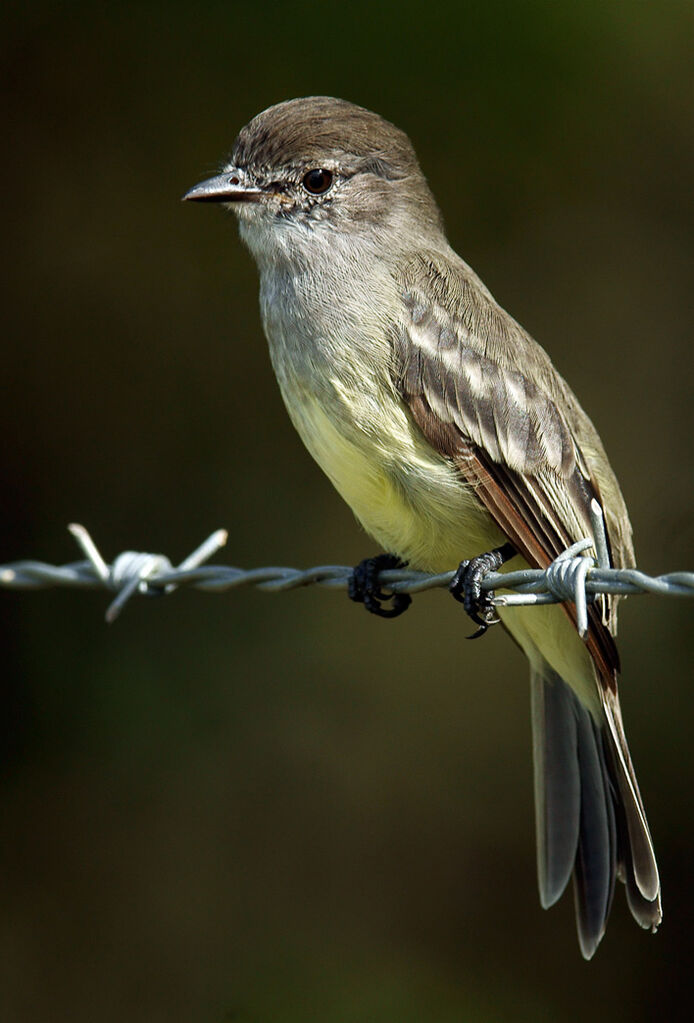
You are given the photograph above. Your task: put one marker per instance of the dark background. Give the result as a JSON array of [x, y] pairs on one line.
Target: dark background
[[275, 808]]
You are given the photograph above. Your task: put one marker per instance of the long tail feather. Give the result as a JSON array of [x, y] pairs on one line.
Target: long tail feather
[[596, 855], [557, 786], [589, 815]]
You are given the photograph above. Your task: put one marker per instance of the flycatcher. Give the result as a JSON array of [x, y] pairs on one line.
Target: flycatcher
[[448, 431]]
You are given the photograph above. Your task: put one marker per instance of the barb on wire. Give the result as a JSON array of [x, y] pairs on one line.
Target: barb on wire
[[574, 575]]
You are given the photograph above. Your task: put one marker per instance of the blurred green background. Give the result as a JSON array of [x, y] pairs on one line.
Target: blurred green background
[[271, 809]]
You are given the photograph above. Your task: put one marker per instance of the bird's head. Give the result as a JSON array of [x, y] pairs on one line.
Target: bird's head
[[322, 168]]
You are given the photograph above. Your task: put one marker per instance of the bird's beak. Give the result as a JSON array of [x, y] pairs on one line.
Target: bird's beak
[[227, 187]]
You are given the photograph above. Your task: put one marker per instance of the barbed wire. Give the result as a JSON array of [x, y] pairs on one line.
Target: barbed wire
[[573, 576]]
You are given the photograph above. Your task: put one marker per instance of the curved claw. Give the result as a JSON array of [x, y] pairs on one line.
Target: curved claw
[[466, 587], [481, 631], [364, 587]]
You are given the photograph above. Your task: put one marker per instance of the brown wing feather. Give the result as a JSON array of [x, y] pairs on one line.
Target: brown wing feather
[[522, 522], [495, 406]]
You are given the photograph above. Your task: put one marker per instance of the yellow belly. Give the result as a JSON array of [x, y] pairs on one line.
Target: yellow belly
[[417, 506], [408, 497]]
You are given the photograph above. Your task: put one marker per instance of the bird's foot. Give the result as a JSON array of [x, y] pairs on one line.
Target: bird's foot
[[466, 586], [364, 586]]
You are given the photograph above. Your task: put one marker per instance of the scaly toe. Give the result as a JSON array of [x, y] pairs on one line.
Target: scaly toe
[[364, 587]]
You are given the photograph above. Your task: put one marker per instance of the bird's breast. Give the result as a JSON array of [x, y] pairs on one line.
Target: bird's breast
[[333, 366]]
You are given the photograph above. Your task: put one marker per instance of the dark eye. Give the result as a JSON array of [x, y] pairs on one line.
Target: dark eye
[[317, 181]]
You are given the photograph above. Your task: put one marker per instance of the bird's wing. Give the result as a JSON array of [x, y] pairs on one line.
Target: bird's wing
[[487, 396]]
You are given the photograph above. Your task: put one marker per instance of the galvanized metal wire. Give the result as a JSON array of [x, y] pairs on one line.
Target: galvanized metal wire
[[574, 576]]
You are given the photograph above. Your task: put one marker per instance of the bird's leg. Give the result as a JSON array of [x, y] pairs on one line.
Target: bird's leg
[[364, 587], [466, 586]]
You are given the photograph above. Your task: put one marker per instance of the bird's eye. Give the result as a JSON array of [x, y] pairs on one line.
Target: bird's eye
[[317, 181]]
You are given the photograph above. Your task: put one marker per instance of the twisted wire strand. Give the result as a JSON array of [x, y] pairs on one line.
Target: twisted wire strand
[[574, 576]]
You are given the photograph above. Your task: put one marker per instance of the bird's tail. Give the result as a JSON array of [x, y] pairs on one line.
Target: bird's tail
[[589, 815]]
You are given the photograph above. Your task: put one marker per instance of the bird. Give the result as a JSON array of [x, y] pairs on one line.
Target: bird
[[446, 428]]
